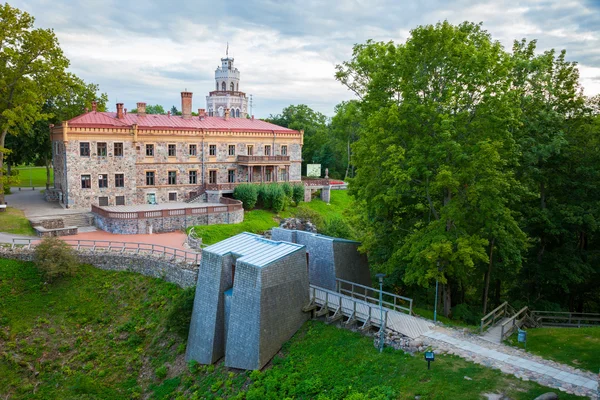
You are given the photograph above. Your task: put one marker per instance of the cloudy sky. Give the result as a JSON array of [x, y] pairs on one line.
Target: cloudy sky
[[286, 50]]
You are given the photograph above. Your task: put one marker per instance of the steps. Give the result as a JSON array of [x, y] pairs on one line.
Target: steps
[[80, 220]]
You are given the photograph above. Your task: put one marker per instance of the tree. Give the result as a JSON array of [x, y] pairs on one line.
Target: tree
[[155, 109], [345, 128], [436, 149], [32, 66]]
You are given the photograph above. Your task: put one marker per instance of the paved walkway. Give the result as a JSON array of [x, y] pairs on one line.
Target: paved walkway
[[33, 204], [494, 333], [513, 361]]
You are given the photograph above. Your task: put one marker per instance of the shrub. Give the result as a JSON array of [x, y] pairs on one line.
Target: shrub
[[263, 198], [247, 194], [466, 313], [287, 189], [309, 214], [298, 193], [161, 372], [277, 198], [55, 259], [337, 227]]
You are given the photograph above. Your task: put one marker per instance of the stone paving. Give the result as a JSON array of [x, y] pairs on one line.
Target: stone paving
[[512, 361]]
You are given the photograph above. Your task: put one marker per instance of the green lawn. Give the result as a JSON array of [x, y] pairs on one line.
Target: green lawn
[[37, 174], [578, 347], [13, 221], [69, 341], [446, 321], [258, 221]]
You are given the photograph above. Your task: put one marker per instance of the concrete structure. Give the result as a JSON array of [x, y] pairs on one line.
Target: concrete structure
[[329, 258], [120, 158], [249, 300], [227, 95]]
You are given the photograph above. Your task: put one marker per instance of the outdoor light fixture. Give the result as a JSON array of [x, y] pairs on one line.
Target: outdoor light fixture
[[429, 357], [380, 276]]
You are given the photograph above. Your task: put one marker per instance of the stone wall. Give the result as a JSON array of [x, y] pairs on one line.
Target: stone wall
[[52, 195], [166, 224], [181, 274]]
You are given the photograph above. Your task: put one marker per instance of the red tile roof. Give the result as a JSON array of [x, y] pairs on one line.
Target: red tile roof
[[107, 119]]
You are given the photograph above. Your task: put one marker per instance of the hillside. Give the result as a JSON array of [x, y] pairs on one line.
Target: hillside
[[103, 335]]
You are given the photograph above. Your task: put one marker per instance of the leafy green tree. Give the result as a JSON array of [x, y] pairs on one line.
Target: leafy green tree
[[32, 69], [155, 109], [436, 149], [345, 128]]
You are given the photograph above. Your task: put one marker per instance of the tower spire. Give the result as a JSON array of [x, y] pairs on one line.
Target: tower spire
[[227, 51]]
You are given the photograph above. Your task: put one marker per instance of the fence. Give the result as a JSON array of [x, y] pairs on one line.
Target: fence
[[566, 319], [389, 300], [509, 326], [503, 310], [164, 252]]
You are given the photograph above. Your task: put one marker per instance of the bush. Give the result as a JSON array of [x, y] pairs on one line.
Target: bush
[[55, 259], [277, 198], [306, 213], [161, 372], [298, 193], [467, 314], [337, 227], [288, 189], [263, 197], [247, 194]]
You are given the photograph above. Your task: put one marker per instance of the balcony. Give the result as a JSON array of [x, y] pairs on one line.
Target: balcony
[[263, 160], [227, 93]]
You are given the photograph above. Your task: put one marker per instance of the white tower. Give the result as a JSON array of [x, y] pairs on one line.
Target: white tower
[[227, 91]]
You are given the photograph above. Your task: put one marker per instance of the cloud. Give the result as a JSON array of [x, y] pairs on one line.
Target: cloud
[[286, 50]]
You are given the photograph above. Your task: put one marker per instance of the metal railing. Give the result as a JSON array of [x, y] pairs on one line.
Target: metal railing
[[390, 300], [229, 205], [262, 159], [164, 252], [565, 318], [359, 310], [508, 326], [496, 314]]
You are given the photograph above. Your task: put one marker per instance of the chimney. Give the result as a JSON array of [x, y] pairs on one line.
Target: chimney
[[253, 118], [120, 111], [94, 105], [226, 114], [186, 105], [201, 113], [169, 113], [125, 111], [141, 109]]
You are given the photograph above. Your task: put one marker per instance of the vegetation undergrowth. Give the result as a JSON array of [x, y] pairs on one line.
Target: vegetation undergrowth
[[13, 221], [578, 347]]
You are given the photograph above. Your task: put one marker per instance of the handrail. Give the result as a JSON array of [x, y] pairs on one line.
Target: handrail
[[495, 315], [121, 247], [512, 320], [394, 305], [566, 318]]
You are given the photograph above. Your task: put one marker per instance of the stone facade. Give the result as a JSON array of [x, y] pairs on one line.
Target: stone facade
[[165, 224], [329, 258], [249, 300]]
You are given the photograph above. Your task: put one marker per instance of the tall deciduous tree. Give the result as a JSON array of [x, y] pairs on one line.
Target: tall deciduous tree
[[436, 149], [31, 67]]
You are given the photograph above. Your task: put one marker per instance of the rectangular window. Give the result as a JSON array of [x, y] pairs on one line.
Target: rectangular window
[[101, 149], [212, 176], [267, 150], [231, 176], [193, 175], [284, 150], [118, 149], [212, 150], [250, 150], [84, 149], [172, 150], [103, 181], [149, 150], [103, 201], [119, 180], [192, 149], [172, 177], [149, 178], [232, 150], [172, 196], [120, 200], [86, 182]]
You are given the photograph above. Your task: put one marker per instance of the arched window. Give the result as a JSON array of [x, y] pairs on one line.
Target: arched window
[[237, 113], [223, 86], [217, 85], [232, 87]]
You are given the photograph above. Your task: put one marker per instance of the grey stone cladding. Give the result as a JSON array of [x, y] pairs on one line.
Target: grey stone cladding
[[244, 310], [329, 258]]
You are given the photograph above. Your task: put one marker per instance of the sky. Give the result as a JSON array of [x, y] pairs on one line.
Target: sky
[[286, 51]]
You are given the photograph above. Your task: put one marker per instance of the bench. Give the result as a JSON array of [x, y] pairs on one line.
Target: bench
[[64, 231], [2, 207]]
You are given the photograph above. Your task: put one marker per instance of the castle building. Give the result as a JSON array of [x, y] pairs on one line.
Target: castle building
[[120, 158], [227, 93]]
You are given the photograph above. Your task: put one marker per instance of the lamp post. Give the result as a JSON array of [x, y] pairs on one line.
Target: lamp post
[[380, 276]]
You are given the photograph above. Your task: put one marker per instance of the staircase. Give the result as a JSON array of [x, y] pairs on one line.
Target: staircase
[[199, 197], [83, 221], [503, 321]]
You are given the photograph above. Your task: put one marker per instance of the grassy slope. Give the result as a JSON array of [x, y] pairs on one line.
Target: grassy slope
[[101, 335], [258, 221], [38, 176], [13, 221], [579, 347]]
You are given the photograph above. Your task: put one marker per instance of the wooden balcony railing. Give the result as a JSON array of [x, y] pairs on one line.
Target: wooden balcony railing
[[263, 159], [229, 205]]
